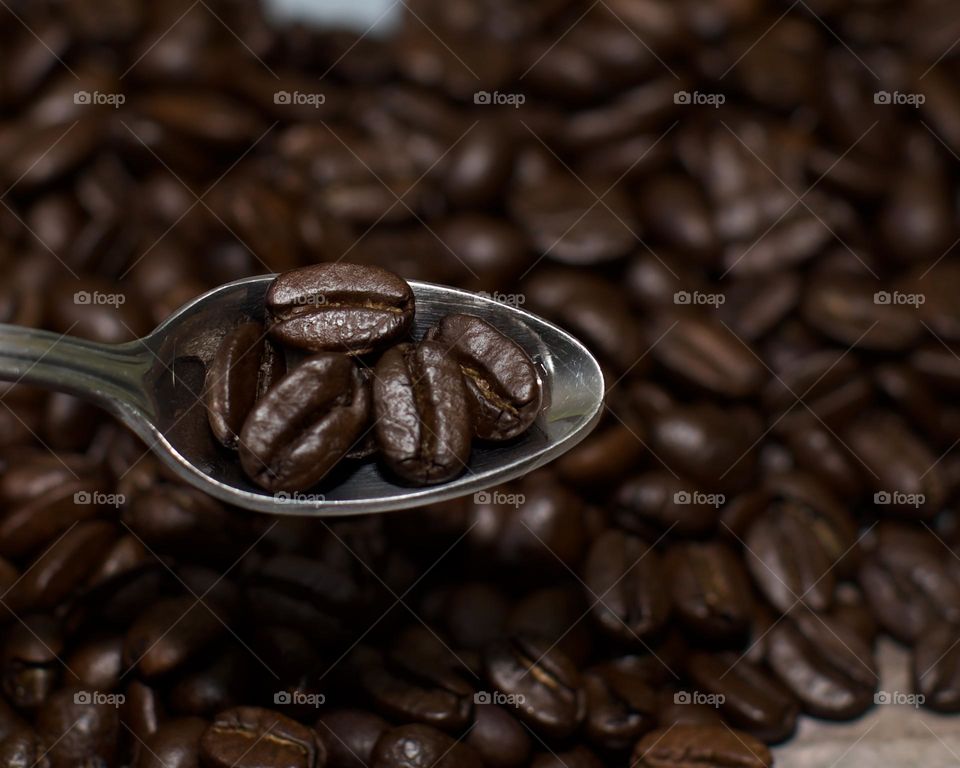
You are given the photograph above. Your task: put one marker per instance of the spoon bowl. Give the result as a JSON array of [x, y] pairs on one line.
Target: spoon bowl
[[155, 384]]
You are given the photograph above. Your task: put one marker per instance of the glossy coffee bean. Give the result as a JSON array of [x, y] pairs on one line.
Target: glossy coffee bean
[[422, 419], [420, 746], [77, 728], [168, 634], [825, 664], [621, 704], [502, 383], [907, 582], [24, 749], [305, 424], [714, 746], [710, 590], [28, 660], [176, 744], [545, 683], [250, 737], [936, 673], [349, 736], [623, 576], [752, 699], [243, 369], [498, 737], [339, 307]]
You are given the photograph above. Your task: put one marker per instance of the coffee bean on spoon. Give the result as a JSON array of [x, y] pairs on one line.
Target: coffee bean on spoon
[[339, 307], [422, 421], [502, 382], [244, 367], [303, 426]]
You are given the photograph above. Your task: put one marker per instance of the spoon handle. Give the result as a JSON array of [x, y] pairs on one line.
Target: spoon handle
[[110, 375]]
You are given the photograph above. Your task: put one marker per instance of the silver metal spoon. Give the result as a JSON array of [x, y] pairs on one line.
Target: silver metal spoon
[[155, 386]]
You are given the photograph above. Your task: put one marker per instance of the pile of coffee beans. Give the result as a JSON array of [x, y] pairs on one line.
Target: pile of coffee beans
[[747, 210], [427, 399]]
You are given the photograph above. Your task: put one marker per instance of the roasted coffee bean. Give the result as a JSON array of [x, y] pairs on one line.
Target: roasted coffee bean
[[579, 757], [498, 737], [305, 424], [544, 682], [623, 576], [221, 684], [709, 356], [77, 728], [906, 581], [420, 746], [710, 590], [339, 308], [751, 699], [168, 634], [709, 746], [249, 737], [825, 664], [349, 736], [243, 369], [176, 744], [24, 749], [423, 424], [29, 660], [936, 668], [621, 704], [97, 665], [502, 383], [657, 501], [554, 614]]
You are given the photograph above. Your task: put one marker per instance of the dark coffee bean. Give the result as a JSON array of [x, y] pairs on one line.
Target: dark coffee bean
[[474, 614], [349, 736], [825, 664], [847, 310], [406, 687], [420, 746], [609, 454], [98, 664], [423, 424], [203, 117], [544, 682], [502, 383], [478, 167], [29, 660], [564, 221], [710, 590], [142, 711], [221, 684], [936, 668], [899, 466], [168, 634], [243, 369], [250, 737], [498, 737], [657, 501], [305, 424], [339, 307], [674, 211], [554, 613], [24, 750], [490, 252], [176, 744], [623, 578], [621, 705], [905, 579], [709, 356], [77, 729], [915, 221], [752, 700], [709, 746]]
